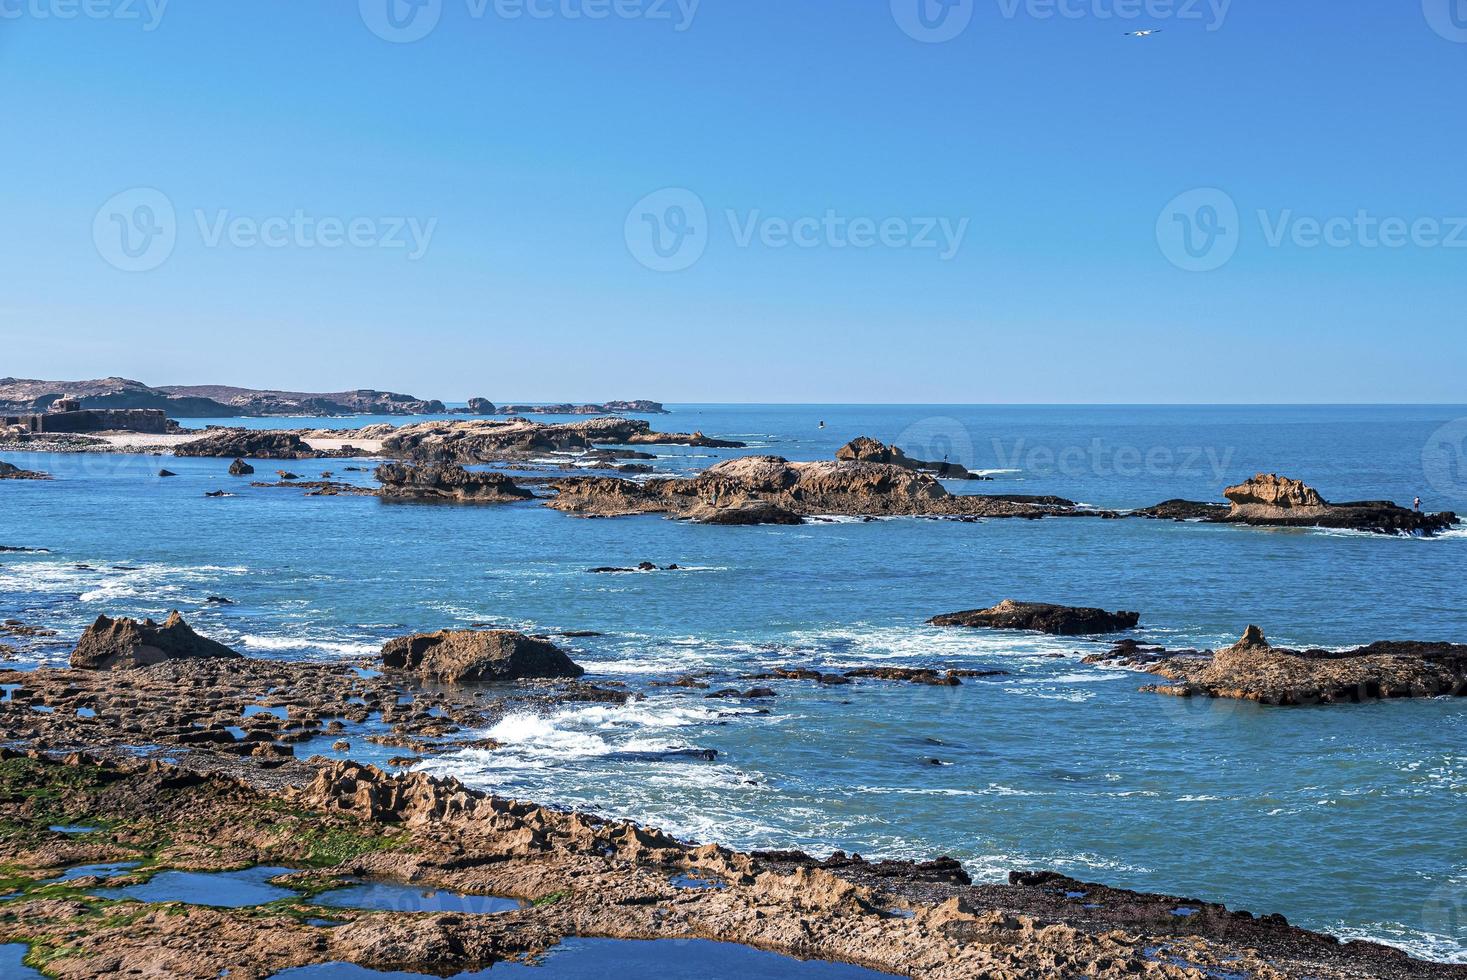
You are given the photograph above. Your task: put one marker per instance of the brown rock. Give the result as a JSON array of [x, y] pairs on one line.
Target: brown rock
[[112, 644], [469, 656], [1042, 617], [438, 483]]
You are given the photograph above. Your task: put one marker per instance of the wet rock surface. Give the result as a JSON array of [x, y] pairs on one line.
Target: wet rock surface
[[1253, 670], [1041, 617], [439, 483]]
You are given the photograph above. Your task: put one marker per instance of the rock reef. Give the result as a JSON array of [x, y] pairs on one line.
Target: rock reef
[[446, 483], [1041, 617], [771, 489], [1253, 670]]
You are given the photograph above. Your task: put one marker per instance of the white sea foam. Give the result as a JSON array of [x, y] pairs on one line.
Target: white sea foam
[[345, 648]]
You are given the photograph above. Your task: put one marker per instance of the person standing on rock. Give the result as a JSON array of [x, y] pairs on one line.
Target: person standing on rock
[[1416, 505]]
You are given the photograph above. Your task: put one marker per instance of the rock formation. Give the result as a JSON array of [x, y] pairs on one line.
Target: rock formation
[[115, 644], [440, 483], [251, 443], [240, 468], [1042, 617], [1269, 500], [1252, 670], [864, 449], [472, 656], [774, 490]]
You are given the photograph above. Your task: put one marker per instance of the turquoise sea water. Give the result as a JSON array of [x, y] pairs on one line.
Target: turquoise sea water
[[1346, 819]]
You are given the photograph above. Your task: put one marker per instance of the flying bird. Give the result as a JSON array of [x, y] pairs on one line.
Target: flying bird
[[1145, 33]]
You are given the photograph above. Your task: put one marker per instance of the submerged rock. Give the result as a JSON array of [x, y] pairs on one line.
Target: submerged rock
[[1042, 617], [252, 443], [447, 483], [112, 644], [1253, 670], [471, 656]]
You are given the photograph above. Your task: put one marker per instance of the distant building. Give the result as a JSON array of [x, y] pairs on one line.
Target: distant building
[[65, 405]]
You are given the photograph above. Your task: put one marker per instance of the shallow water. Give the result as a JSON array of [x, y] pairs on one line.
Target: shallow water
[[12, 966], [603, 959], [220, 889], [1344, 819]]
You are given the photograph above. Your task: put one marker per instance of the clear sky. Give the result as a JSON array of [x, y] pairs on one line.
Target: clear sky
[[280, 193]]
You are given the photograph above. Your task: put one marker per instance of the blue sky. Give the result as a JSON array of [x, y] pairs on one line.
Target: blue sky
[[1063, 159]]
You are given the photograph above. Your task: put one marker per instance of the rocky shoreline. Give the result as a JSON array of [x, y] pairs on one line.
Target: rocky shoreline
[[227, 785]]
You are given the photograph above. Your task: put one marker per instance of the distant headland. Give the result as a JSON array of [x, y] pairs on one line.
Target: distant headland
[[21, 396]]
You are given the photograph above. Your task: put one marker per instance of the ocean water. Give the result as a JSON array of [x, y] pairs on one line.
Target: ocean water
[[1347, 819]]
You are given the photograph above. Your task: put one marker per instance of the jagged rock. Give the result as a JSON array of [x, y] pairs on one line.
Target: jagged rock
[[864, 449], [251, 443], [469, 656], [745, 515], [481, 406], [112, 644], [240, 468], [447, 483], [166, 473], [1253, 670], [1042, 618], [1273, 491]]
